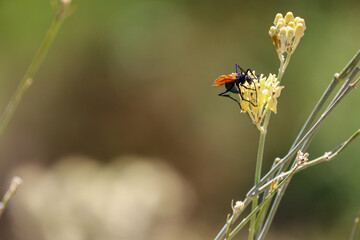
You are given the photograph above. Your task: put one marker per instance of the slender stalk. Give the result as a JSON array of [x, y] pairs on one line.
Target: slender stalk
[[282, 68], [34, 66], [254, 191], [328, 156], [258, 174], [316, 110], [229, 224], [342, 90], [352, 64], [337, 99], [262, 214], [336, 80], [254, 211], [355, 233], [16, 182], [306, 126], [311, 132], [232, 219], [345, 85]]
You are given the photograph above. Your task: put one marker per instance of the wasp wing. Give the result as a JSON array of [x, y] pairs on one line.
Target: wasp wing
[[225, 79]]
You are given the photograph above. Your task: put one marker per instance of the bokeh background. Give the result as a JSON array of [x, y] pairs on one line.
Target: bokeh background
[[122, 136]]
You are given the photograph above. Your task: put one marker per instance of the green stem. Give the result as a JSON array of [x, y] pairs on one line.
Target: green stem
[[326, 157], [258, 173], [262, 214], [33, 68], [282, 68], [316, 110], [336, 80], [306, 126], [342, 76], [310, 133], [347, 70]]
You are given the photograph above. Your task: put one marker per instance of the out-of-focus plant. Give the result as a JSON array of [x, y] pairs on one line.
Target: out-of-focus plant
[[78, 197], [62, 10], [355, 233], [258, 98], [14, 186]]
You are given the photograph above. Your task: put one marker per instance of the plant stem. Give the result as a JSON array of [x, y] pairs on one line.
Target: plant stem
[[260, 155], [336, 80], [317, 108], [16, 182], [258, 173], [355, 233], [254, 191], [351, 65], [33, 67], [254, 211], [328, 156], [283, 67], [306, 126], [310, 133], [337, 99]]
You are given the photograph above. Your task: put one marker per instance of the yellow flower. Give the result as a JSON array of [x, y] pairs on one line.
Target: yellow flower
[[260, 100], [286, 32]]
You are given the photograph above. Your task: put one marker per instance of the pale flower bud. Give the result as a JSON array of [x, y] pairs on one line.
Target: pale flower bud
[[287, 32]]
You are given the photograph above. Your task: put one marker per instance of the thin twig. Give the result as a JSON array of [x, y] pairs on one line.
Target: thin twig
[[311, 132], [328, 156], [254, 211], [355, 233], [16, 182], [333, 104], [336, 80], [27, 80], [254, 191]]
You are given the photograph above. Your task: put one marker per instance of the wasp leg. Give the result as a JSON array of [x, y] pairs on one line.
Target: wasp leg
[[227, 90], [246, 87], [250, 71], [228, 96], [241, 96], [251, 89], [257, 78]]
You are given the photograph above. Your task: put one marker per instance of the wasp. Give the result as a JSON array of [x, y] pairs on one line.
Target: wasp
[[235, 81]]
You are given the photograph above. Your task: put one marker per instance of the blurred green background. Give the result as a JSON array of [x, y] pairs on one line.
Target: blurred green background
[[125, 97]]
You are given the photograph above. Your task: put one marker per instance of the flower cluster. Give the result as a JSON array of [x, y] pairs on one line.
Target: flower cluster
[[286, 32], [261, 98], [301, 157], [239, 206]]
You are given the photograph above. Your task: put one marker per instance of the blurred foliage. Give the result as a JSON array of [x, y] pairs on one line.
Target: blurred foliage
[[131, 198], [134, 77]]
